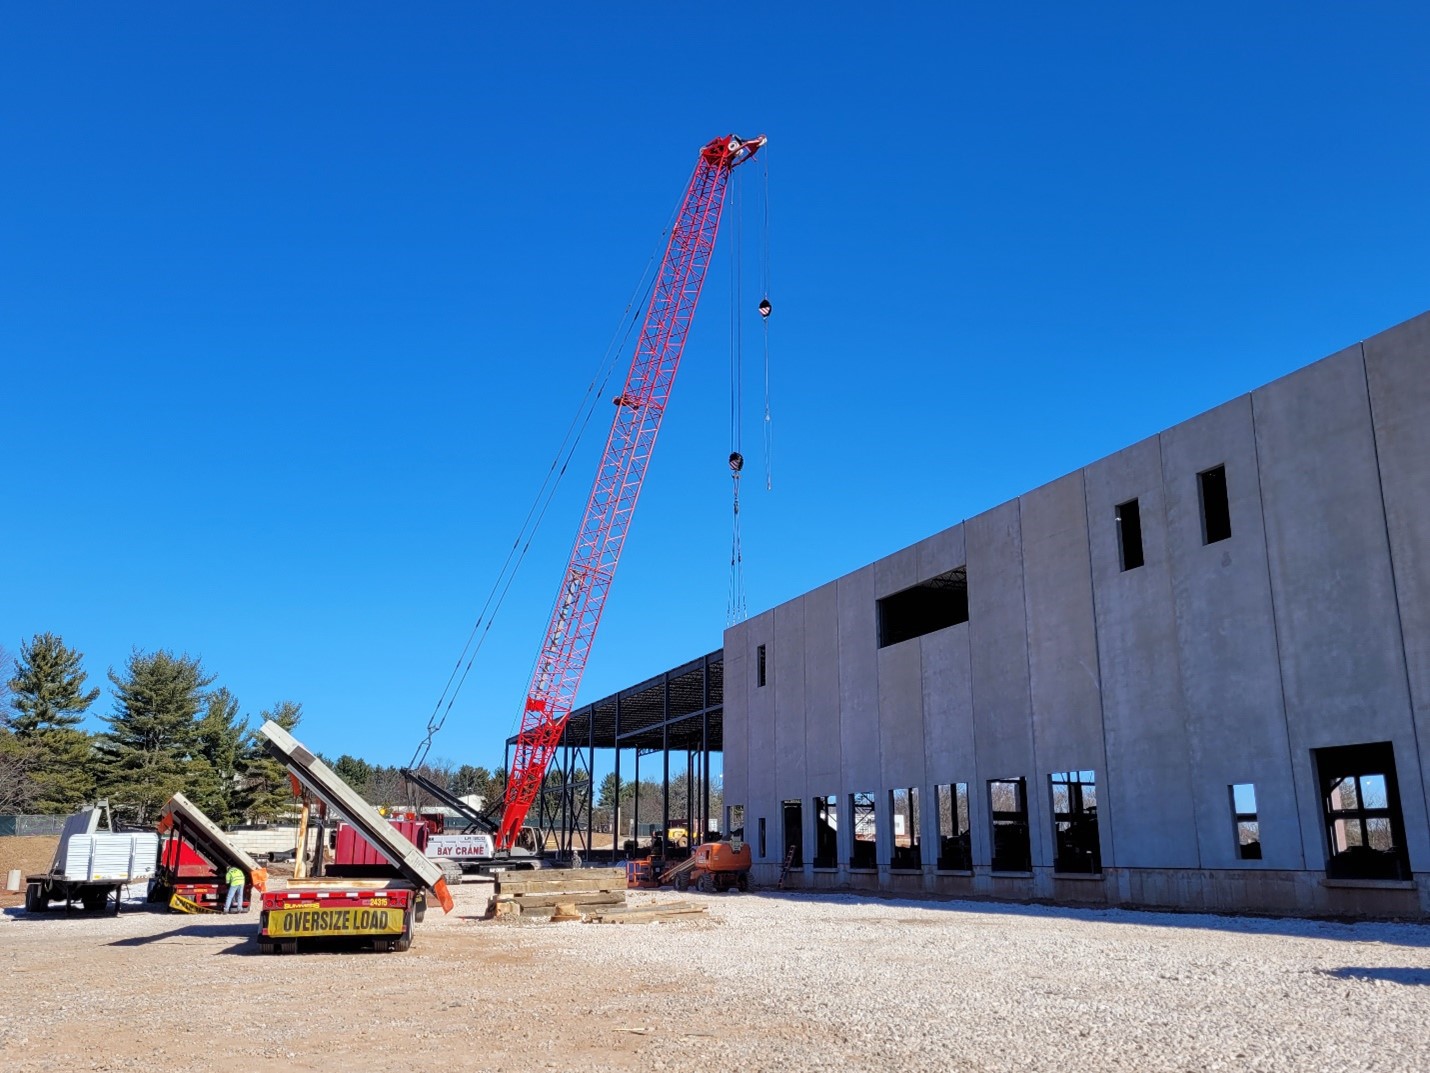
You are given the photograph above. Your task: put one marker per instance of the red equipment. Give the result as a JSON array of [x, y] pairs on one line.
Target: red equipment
[[639, 408]]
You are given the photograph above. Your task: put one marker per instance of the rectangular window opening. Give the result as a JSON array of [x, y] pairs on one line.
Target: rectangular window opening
[[1216, 510], [904, 808], [826, 832], [1243, 815], [794, 834], [930, 605], [1129, 534], [1076, 848], [955, 833], [735, 822], [863, 827], [1360, 804], [760, 666], [761, 847], [1008, 808]]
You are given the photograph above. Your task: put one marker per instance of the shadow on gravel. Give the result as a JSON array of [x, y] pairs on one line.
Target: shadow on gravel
[[1388, 932], [199, 931], [1390, 974]]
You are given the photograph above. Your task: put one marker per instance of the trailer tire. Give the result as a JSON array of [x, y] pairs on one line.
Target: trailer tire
[[420, 912], [34, 902], [93, 900], [266, 947], [288, 946], [403, 945]]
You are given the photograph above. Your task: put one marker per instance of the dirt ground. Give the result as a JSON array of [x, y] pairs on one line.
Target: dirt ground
[[30, 854], [764, 981]]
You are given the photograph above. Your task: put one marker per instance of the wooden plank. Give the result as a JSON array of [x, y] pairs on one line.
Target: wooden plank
[[599, 897]]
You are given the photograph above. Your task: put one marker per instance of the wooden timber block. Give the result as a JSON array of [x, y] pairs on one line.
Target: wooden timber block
[[505, 909], [564, 911], [556, 880], [599, 897]]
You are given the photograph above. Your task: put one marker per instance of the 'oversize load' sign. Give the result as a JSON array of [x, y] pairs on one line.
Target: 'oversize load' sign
[[297, 923]]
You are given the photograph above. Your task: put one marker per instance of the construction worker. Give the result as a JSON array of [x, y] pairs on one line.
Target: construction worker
[[235, 879]]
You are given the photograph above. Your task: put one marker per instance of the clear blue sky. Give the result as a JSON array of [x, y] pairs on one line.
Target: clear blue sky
[[296, 300]]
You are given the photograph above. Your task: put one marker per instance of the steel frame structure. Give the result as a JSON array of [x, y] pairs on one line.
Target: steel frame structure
[[612, 502]]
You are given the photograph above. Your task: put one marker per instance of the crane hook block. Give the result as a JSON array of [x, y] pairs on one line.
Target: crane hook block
[[737, 461], [765, 307]]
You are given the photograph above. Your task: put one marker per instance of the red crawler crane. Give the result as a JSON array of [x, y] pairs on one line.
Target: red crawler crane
[[639, 408]]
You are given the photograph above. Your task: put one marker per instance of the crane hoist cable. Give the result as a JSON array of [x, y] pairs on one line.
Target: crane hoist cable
[[615, 491], [765, 308], [735, 608]]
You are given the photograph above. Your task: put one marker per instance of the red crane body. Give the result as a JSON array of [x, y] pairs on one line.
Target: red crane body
[[612, 503]]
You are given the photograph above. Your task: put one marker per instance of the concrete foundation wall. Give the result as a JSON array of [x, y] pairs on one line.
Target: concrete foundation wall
[[1211, 664]]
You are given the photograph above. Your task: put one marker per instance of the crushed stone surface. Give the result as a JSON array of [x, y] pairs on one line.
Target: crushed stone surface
[[774, 981]]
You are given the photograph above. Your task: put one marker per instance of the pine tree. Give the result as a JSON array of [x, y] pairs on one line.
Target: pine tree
[[152, 749], [220, 736], [266, 794], [47, 702], [47, 687]]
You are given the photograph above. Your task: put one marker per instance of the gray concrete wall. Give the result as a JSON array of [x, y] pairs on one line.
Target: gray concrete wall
[[1209, 665]]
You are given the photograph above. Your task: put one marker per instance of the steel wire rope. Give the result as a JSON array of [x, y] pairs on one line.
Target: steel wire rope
[[768, 423], [735, 599], [541, 503]]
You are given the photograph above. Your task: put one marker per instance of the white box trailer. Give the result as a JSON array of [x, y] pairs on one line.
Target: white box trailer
[[92, 867]]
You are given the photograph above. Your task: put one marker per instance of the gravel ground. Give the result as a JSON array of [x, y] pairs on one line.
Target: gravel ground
[[767, 981]]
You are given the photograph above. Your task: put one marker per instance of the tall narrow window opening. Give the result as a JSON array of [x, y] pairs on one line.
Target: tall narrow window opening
[[826, 832], [1129, 534], [762, 854], [863, 823], [794, 834], [955, 833], [760, 666], [1360, 801], [1216, 510], [1248, 827], [1075, 843], [931, 605], [904, 809], [1008, 807]]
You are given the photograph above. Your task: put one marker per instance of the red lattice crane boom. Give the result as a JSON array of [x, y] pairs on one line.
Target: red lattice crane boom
[[612, 502]]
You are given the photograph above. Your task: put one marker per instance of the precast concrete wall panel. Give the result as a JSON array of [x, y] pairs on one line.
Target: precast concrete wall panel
[[824, 773], [1226, 642], [735, 762], [858, 682], [1398, 370], [901, 715], [763, 794], [786, 657], [1342, 657], [1063, 675], [998, 655], [1148, 792]]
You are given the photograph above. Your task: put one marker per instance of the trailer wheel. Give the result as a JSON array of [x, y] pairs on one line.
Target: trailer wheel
[[288, 946], [402, 945], [267, 947], [93, 900], [34, 903]]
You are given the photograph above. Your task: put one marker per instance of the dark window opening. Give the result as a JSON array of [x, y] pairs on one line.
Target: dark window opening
[[1075, 843], [864, 831], [955, 833], [826, 832], [761, 846], [931, 605], [735, 822], [794, 834], [1216, 511], [1129, 534], [904, 809], [1008, 806], [1248, 827], [1360, 802], [760, 666]]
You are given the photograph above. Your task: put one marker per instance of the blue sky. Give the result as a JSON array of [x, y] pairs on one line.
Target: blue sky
[[297, 300]]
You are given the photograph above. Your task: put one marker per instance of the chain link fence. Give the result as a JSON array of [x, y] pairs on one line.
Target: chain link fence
[[31, 825]]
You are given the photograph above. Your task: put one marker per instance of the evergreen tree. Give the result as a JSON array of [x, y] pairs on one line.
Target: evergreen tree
[[220, 736], [47, 687], [266, 794], [46, 704], [356, 773], [152, 748]]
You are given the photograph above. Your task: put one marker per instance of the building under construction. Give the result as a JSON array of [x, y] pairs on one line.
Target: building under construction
[[1195, 673]]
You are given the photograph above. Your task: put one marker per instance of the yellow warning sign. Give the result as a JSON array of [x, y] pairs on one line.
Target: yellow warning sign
[[306, 922], [188, 905]]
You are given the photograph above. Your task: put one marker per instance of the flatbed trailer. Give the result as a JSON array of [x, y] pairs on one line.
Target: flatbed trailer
[[194, 857], [92, 867], [378, 913]]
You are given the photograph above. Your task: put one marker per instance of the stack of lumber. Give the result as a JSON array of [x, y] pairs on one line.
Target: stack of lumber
[[537, 893], [644, 914]]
